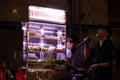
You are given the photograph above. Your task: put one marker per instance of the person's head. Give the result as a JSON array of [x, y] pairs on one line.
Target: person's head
[[69, 42], [104, 32]]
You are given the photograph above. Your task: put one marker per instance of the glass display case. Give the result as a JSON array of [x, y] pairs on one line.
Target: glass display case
[[44, 47]]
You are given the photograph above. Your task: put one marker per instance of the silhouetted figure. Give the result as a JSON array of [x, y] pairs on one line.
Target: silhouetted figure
[[101, 56]]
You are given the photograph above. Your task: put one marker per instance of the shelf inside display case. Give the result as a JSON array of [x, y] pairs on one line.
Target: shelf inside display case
[[45, 38]]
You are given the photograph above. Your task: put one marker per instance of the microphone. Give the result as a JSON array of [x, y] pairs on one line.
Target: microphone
[[84, 41]]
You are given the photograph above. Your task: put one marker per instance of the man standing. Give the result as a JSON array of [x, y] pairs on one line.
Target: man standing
[[69, 66], [101, 56], [79, 59]]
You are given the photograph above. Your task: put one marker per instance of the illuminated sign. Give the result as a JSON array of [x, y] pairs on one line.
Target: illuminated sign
[[47, 14]]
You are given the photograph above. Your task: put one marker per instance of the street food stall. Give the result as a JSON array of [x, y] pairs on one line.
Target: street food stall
[[44, 43]]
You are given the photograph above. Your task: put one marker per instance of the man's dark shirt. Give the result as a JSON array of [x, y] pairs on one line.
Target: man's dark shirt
[[102, 54], [79, 61], [78, 57]]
